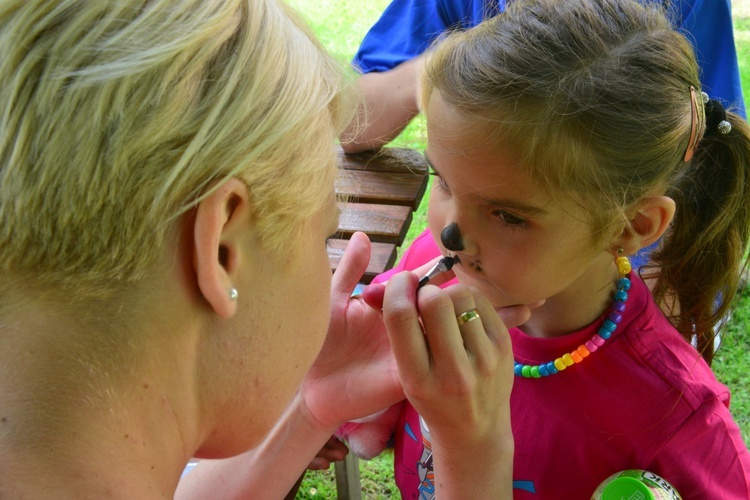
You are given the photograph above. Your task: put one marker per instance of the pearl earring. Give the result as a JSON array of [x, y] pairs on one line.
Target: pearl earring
[[233, 293]]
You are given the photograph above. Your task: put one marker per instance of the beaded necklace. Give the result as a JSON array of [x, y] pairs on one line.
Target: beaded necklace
[[595, 342]]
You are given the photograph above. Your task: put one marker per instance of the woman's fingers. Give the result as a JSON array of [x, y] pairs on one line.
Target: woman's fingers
[[374, 293], [446, 337], [404, 330], [438, 310], [438, 279], [514, 316], [352, 266]]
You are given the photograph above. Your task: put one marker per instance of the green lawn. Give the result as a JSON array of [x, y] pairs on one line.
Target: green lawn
[[341, 24]]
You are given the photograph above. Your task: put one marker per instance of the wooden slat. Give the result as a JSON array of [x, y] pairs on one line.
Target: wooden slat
[[382, 223], [383, 257], [387, 188], [391, 176]]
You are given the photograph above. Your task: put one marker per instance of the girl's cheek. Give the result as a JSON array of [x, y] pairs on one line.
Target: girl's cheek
[[435, 217]]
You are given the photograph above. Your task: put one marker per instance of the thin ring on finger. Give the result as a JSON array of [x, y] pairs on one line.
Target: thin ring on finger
[[467, 316]]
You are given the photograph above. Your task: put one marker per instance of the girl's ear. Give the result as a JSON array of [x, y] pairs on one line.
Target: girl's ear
[[222, 222], [649, 223]]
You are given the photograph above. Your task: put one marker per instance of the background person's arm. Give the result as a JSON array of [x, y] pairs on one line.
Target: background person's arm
[[390, 101], [389, 59]]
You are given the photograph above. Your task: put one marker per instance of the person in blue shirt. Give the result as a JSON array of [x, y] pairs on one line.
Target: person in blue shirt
[[389, 56]]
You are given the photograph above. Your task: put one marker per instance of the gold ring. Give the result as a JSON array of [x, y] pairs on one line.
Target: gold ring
[[467, 316]]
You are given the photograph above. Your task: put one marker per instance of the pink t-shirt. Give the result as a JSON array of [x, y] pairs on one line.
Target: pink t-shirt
[[645, 400]]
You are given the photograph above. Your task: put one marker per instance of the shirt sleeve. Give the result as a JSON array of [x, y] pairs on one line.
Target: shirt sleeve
[[408, 27], [708, 26], [706, 457]]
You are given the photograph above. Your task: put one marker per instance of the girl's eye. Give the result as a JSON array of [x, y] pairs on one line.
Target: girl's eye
[[509, 219], [439, 181]]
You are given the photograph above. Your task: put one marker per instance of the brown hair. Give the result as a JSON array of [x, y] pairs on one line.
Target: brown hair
[[595, 96]]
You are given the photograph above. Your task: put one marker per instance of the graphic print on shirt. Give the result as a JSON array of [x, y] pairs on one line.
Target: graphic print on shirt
[[426, 473], [424, 466]]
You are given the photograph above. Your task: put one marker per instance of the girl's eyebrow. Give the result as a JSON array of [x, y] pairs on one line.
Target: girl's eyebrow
[[514, 205]]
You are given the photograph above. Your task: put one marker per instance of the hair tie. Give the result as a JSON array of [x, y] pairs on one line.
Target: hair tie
[[706, 117], [716, 118], [697, 122]]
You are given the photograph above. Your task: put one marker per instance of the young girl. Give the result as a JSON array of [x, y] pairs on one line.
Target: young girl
[[565, 136]]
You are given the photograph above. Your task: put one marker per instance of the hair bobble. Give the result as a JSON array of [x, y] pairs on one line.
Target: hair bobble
[[716, 118]]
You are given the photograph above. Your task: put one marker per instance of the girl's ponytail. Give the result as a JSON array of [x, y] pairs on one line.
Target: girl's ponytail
[[702, 256]]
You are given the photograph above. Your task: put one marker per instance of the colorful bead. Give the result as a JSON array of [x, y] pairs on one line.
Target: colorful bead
[[609, 325], [623, 284], [623, 265]]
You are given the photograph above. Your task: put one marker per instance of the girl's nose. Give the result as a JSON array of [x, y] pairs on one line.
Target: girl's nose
[[451, 238]]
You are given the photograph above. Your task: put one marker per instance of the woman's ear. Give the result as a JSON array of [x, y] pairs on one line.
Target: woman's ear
[[648, 224], [221, 223]]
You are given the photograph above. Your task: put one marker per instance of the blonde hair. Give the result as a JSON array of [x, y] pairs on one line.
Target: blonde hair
[[118, 116], [595, 97]]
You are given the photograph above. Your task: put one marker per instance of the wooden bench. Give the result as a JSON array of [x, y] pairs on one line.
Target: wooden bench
[[381, 190]]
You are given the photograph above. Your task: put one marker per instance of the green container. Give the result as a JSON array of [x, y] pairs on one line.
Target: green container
[[635, 484]]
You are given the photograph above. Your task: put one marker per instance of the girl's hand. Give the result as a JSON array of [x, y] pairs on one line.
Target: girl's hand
[[355, 373], [457, 376]]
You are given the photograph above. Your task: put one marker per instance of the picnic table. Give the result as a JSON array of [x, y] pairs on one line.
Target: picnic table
[[379, 191]]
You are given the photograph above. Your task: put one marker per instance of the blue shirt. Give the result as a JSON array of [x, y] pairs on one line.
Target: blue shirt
[[408, 27]]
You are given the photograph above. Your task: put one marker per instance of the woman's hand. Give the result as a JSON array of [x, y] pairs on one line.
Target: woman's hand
[[458, 374], [333, 451], [355, 373]]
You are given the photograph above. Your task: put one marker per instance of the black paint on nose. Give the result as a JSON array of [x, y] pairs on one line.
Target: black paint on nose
[[451, 237]]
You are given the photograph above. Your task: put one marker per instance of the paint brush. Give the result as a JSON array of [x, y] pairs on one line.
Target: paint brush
[[444, 265]]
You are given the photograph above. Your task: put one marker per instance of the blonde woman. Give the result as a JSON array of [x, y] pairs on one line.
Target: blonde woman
[[166, 191]]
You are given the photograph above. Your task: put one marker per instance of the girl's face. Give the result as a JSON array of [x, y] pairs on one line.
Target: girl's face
[[521, 244]]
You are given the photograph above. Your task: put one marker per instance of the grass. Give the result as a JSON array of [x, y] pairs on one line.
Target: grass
[[340, 25]]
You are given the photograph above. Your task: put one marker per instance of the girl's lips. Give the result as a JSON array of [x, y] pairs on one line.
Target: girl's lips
[[533, 305]]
